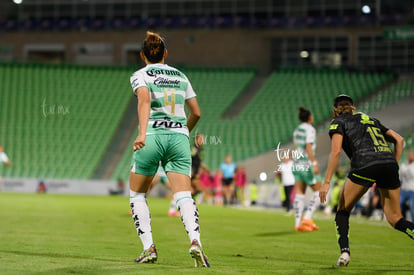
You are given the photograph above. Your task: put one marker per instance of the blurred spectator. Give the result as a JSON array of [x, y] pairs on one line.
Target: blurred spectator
[[196, 164], [217, 180], [253, 192], [4, 159], [339, 176], [334, 200], [41, 187], [339, 181], [288, 181], [228, 167], [407, 185], [374, 208], [241, 180], [206, 181]]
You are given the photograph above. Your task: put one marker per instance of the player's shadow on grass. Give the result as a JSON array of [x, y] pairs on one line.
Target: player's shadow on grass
[[275, 234]]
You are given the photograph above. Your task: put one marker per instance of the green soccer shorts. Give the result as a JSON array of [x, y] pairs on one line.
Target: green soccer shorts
[[172, 150], [304, 173]]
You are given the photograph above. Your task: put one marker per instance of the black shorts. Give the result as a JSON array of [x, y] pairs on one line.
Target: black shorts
[[227, 181], [194, 171], [384, 175]]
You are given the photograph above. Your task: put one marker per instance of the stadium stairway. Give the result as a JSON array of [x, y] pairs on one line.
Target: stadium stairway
[[119, 142], [244, 98]]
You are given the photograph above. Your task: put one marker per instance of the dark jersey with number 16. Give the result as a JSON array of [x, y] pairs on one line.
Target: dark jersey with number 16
[[363, 140]]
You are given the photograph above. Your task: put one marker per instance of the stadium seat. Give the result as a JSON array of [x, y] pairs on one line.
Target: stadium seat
[[57, 121]]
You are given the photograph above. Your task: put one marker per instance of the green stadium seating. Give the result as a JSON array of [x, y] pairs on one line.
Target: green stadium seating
[[271, 116], [57, 121], [71, 145], [388, 96]]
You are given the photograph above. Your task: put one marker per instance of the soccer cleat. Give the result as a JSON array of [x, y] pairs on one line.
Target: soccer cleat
[[343, 259], [173, 213], [310, 223], [148, 255], [200, 259], [303, 228]]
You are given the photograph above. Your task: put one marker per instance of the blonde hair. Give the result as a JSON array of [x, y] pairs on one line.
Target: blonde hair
[[344, 107]]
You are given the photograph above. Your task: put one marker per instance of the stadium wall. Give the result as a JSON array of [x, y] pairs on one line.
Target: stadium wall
[[58, 186], [190, 47]]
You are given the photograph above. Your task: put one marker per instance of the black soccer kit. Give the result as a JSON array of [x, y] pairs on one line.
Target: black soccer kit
[[372, 160]]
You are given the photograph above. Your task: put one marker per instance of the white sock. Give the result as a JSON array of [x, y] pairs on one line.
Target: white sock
[[313, 205], [189, 214], [299, 206], [142, 217]]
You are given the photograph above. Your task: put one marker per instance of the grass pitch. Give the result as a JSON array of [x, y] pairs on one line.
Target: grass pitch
[[59, 234]]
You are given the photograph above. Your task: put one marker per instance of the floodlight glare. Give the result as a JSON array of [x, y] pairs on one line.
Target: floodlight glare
[[263, 176], [304, 54], [366, 9]]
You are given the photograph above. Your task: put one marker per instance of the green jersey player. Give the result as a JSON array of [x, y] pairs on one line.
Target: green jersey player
[[163, 136], [304, 169]]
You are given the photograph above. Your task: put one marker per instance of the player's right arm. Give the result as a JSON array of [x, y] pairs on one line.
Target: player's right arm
[[144, 108], [398, 141], [195, 113], [334, 155]]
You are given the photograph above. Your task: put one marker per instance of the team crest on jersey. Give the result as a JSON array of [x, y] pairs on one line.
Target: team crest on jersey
[[366, 119]]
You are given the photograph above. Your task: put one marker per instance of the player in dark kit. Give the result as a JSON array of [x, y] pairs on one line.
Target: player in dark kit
[[364, 140]]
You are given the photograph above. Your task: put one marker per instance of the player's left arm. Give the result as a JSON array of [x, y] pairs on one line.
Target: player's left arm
[[335, 154], [310, 140], [394, 137], [195, 112], [312, 158]]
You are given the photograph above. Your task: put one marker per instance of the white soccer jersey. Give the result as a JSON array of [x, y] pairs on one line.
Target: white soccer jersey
[[305, 133], [169, 89], [288, 179]]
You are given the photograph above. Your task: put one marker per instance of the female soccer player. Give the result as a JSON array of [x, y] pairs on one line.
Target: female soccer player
[[304, 169], [364, 140], [163, 135]]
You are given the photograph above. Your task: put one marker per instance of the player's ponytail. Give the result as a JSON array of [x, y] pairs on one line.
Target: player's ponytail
[[153, 47], [304, 114]]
